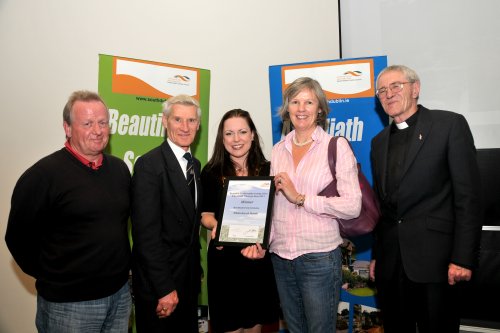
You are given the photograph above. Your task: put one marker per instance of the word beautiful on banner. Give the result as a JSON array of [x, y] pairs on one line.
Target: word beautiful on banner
[[136, 125], [342, 82]]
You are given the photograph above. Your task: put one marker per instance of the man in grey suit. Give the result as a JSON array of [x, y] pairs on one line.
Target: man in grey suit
[[165, 225], [426, 176]]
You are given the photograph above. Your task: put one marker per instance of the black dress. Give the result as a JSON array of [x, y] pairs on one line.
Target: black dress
[[241, 292]]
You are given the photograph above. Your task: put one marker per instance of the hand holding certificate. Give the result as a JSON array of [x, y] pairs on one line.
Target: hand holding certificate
[[246, 207]]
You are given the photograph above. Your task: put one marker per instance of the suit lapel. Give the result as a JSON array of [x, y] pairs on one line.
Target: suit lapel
[[197, 171], [178, 180], [419, 136]]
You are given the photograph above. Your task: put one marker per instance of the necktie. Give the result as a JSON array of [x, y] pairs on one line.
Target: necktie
[[190, 174]]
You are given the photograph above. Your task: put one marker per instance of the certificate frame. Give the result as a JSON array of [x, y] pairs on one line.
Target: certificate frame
[[245, 211]]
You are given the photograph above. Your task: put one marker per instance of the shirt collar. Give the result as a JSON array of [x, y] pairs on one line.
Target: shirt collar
[[315, 135], [178, 151], [405, 124], [402, 125], [93, 165]]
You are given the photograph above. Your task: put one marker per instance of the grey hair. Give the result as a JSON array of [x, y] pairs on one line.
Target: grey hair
[[409, 73], [183, 100]]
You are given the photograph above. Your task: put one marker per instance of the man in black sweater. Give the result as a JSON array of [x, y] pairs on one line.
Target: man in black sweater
[[68, 227]]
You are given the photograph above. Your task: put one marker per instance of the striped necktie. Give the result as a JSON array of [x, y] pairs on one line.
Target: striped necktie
[[190, 174]]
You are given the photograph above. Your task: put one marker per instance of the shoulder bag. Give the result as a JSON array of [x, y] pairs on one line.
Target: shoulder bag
[[370, 212]]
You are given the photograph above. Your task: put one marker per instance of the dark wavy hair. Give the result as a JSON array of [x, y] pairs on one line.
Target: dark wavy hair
[[220, 163]]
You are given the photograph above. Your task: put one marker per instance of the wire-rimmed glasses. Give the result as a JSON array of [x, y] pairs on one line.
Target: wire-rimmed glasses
[[394, 87]]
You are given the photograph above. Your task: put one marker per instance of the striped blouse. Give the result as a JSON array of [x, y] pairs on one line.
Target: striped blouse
[[313, 228]]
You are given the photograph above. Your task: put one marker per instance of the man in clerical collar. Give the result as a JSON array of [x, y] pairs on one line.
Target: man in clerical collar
[[426, 176]]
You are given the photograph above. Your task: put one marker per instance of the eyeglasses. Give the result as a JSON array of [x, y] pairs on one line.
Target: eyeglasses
[[394, 87]]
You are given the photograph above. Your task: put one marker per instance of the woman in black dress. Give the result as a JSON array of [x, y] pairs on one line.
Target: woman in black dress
[[241, 292]]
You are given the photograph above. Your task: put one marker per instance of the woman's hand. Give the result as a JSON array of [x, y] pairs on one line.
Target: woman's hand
[[208, 221], [213, 233], [372, 269], [253, 251], [283, 183]]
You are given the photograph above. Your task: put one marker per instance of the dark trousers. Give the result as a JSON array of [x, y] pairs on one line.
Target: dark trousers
[[405, 305]]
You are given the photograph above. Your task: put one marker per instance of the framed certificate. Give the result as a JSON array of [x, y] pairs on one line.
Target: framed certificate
[[246, 211]]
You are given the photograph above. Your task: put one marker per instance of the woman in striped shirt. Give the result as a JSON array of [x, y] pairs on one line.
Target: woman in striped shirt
[[305, 237]]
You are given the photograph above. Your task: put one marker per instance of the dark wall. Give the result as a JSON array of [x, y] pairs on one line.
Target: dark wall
[[482, 294]]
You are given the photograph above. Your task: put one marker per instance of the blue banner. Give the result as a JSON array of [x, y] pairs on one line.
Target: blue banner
[[355, 113]]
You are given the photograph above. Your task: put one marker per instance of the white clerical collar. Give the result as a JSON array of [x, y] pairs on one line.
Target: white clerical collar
[[402, 125]]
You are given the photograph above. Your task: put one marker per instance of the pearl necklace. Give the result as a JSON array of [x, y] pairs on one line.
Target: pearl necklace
[[294, 139]]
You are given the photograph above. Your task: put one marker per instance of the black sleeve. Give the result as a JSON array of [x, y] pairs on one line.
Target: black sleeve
[[26, 217], [212, 187]]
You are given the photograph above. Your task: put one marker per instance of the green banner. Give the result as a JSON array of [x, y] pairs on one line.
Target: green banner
[[134, 91]]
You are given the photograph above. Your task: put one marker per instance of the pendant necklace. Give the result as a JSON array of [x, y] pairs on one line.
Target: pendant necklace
[[240, 170]]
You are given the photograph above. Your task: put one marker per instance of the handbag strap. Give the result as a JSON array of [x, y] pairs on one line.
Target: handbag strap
[[332, 154]]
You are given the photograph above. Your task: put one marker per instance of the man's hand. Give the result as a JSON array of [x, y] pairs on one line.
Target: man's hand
[[457, 274], [167, 304]]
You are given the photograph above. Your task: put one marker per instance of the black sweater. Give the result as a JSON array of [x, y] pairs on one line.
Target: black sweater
[[68, 227]]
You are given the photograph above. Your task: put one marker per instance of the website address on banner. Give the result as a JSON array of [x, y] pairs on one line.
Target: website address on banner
[[150, 99]]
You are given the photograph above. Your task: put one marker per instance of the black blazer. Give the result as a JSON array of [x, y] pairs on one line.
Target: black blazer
[[439, 212], [165, 227]]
